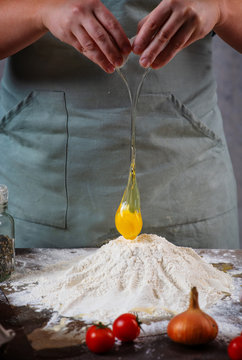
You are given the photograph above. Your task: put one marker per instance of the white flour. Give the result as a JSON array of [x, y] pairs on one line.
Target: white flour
[[148, 275]]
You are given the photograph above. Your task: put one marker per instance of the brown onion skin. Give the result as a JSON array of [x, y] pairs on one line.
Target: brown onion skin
[[193, 326]]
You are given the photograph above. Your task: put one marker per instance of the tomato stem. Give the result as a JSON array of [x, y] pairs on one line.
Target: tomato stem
[[100, 325]]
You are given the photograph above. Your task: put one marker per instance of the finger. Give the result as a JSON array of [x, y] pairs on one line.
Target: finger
[[100, 36], [151, 26], [176, 44], [85, 44], [113, 27], [141, 23], [161, 39], [194, 37]]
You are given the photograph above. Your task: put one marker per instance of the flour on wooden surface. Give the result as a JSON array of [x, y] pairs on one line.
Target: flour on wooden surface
[[149, 276]]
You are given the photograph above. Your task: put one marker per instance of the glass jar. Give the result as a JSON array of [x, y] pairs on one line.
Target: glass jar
[[7, 250]]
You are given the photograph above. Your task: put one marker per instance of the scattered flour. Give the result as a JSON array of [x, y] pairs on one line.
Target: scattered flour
[[149, 276]]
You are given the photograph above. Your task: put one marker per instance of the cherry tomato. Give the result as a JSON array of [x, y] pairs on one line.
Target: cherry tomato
[[235, 348], [99, 338], [126, 327]]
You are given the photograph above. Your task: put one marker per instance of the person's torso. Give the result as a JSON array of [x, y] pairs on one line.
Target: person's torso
[[68, 127]]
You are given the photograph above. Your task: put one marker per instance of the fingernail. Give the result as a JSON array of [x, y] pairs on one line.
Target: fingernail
[[144, 62], [110, 69], [137, 49], [119, 61]]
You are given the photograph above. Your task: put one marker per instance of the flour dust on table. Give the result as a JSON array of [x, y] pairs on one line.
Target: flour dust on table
[[148, 276]]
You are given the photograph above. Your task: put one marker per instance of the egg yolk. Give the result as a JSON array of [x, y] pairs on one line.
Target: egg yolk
[[128, 224]]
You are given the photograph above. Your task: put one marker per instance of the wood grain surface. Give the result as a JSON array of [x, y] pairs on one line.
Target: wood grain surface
[[23, 320]]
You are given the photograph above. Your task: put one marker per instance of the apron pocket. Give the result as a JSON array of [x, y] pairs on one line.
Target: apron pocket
[[34, 139], [183, 168]]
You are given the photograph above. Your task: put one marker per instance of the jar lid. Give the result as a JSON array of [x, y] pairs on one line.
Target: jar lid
[[3, 194]]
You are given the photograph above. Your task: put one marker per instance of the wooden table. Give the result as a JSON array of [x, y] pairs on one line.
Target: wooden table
[[23, 320]]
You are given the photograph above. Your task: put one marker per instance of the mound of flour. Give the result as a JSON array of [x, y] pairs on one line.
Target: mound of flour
[[148, 275]]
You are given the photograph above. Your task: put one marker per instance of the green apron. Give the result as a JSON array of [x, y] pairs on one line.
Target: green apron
[[65, 138]]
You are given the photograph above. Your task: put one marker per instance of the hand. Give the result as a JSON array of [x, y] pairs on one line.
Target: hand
[[172, 26], [89, 27]]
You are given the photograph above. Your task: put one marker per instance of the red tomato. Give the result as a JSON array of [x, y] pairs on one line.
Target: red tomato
[[99, 338], [126, 327], [235, 348]]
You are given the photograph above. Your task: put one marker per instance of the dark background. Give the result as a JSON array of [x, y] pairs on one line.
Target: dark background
[[228, 73]]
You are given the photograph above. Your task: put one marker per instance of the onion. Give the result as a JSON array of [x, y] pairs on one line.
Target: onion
[[193, 326]]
